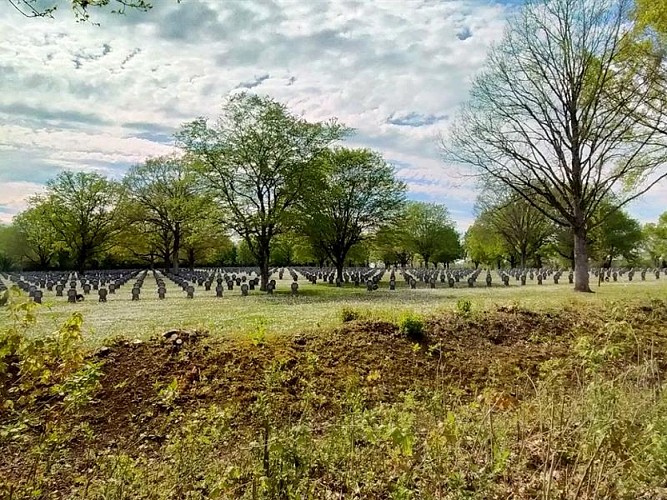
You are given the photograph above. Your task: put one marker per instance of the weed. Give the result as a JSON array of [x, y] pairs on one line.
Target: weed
[[412, 326], [464, 307]]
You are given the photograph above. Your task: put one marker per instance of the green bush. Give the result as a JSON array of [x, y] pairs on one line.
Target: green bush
[[464, 307], [348, 314], [412, 326]]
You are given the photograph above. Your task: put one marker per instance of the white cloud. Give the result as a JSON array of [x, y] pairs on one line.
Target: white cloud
[[103, 97]]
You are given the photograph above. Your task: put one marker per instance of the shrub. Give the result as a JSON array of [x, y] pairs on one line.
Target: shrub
[[347, 314], [412, 326], [464, 307]]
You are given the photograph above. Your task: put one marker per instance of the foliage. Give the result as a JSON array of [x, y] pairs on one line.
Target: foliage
[[348, 314], [163, 192], [392, 244], [619, 235], [523, 229], [358, 194], [483, 245], [431, 232], [39, 236], [42, 369], [412, 326], [464, 307], [81, 209], [258, 161], [655, 241]]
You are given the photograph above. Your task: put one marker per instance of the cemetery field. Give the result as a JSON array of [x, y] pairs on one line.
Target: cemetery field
[[503, 392], [316, 307]]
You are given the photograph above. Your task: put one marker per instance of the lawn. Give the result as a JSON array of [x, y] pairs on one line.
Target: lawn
[[316, 306]]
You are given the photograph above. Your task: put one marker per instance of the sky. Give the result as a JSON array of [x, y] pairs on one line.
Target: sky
[[101, 98]]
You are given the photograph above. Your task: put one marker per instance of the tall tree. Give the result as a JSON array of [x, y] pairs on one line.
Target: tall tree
[[523, 228], [12, 244], [391, 244], [618, 235], [482, 244], [258, 160], [655, 241], [39, 238], [429, 228], [166, 194], [82, 212], [540, 123], [358, 195]]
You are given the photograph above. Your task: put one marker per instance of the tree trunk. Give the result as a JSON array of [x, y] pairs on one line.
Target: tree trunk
[[263, 262], [81, 261], [191, 259], [339, 269], [264, 274], [177, 247], [581, 277]]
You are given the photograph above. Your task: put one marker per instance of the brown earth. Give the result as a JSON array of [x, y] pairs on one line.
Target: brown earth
[[496, 352]]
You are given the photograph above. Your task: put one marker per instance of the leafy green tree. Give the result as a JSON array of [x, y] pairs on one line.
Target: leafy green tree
[[618, 236], [391, 244], [82, 213], [292, 248], [12, 243], [482, 244], [164, 192], [141, 242], [244, 256], [429, 228], [523, 229], [540, 121], [205, 242], [655, 241], [258, 161], [449, 248], [38, 236], [358, 195]]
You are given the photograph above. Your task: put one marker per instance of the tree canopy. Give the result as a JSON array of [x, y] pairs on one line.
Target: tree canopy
[[358, 195], [258, 161]]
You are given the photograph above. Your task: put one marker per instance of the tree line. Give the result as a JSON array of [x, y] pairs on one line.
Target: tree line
[[258, 186], [512, 233], [564, 127]]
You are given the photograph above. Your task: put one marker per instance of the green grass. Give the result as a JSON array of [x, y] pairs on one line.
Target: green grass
[[316, 306]]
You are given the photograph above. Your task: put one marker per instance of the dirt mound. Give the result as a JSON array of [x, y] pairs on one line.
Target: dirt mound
[[146, 385], [143, 382]]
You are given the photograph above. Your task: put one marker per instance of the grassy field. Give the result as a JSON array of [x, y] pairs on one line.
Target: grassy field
[[317, 306]]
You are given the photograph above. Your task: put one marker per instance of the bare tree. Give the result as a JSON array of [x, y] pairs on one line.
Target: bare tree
[[80, 8], [539, 120]]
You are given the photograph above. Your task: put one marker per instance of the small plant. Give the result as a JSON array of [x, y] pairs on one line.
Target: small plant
[[347, 314], [412, 326], [168, 394], [258, 335], [463, 307]]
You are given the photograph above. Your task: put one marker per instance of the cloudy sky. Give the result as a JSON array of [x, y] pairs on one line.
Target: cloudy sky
[[101, 98]]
